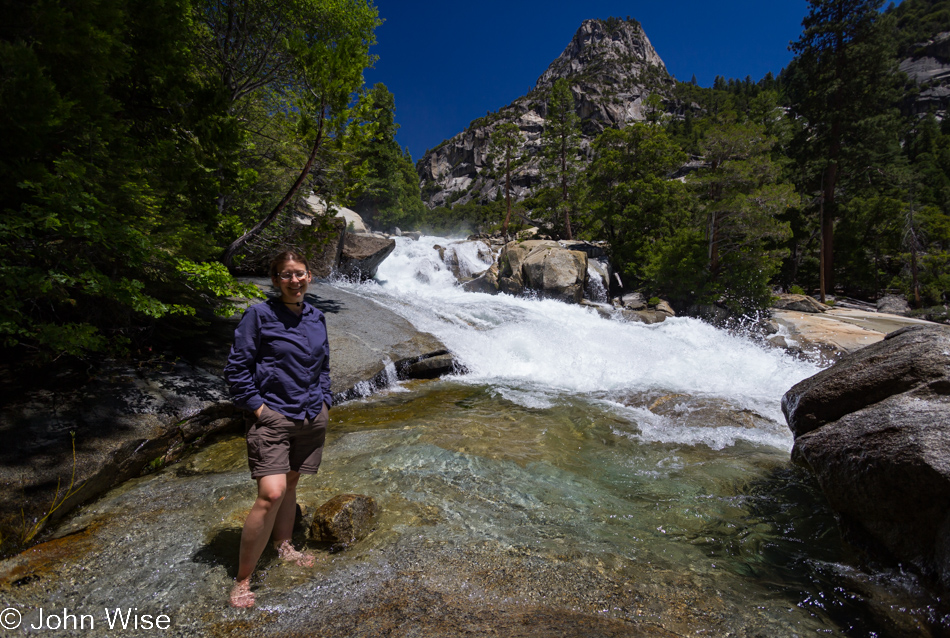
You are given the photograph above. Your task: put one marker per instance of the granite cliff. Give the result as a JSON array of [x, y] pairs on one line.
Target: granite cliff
[[612, 69], [928, 65]]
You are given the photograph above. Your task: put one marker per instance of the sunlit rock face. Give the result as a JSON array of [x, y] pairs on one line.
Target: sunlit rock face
[[929, 67], [611, 67]]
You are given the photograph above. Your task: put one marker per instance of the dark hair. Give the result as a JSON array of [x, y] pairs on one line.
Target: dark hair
[[283, 258]]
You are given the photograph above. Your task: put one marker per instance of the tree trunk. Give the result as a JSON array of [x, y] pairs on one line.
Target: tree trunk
[[913, 274], [567, 208], [714, 244], [504, 227], [828, 226], [228, 257]]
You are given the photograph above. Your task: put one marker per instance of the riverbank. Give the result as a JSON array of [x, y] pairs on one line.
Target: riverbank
[[835, 332]]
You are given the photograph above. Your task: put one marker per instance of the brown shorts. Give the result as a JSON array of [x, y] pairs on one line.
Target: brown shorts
[[277, 444]]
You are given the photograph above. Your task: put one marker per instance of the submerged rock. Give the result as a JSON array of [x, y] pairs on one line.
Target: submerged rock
[[875, 430], [430, 367], [344, 519]]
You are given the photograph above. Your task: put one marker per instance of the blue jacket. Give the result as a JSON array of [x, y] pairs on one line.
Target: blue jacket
[[280, 359]]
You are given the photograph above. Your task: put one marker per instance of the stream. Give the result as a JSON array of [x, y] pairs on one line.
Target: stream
[[580, 477]]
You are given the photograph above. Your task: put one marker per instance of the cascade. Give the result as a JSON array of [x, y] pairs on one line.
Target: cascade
[[537, 352]]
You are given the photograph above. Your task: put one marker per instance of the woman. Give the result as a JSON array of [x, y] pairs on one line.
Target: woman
[[279, 370]]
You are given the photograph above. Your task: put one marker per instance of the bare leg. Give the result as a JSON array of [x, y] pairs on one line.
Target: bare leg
[[271, 491], [284, 526]]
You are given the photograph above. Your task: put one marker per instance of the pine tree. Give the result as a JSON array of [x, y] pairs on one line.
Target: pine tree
[[634, 203], [560, 150], [383, 187], [742, 197], [505, 148], [843, 82]]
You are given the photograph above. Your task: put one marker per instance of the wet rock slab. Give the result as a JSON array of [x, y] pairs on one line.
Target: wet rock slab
[[369, 342], [59, 448]]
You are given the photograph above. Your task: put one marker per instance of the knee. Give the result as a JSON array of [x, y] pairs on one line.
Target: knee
[[271, 496]]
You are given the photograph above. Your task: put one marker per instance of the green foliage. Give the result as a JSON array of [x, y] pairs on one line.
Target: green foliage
[[918, 21], [633, 203], [137, 143], [677, 268], [383, 185], [561, 192], [505, 152]]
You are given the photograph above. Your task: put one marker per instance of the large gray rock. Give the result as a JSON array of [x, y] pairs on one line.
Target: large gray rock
[[369, 343], [510, 262], [893, 304], [875, 430], [363, 253], [486, 282], [886, 470], [633, 301], [556, 273], [905, 360], [798, 303], [929, 67], [544, 267]]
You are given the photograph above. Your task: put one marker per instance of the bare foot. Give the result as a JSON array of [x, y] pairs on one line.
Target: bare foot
[[241, 594], [286, 551]]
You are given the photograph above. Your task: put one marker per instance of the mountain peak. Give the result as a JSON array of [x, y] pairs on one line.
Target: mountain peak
[[603, 45], [611, 68]]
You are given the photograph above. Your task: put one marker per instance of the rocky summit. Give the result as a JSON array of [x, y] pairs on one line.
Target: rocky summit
[[612, 69]]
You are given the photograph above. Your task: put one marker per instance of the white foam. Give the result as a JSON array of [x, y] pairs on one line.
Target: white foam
[[522, 345]]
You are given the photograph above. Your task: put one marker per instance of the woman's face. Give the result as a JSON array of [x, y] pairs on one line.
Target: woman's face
[[292, 289]]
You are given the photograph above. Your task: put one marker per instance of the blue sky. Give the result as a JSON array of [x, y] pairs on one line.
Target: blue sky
[[448, 63]]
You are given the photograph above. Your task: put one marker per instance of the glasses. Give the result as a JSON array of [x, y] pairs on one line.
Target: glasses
[[287, 276]]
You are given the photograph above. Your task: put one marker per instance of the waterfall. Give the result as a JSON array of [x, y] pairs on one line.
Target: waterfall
[[539, 352]]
